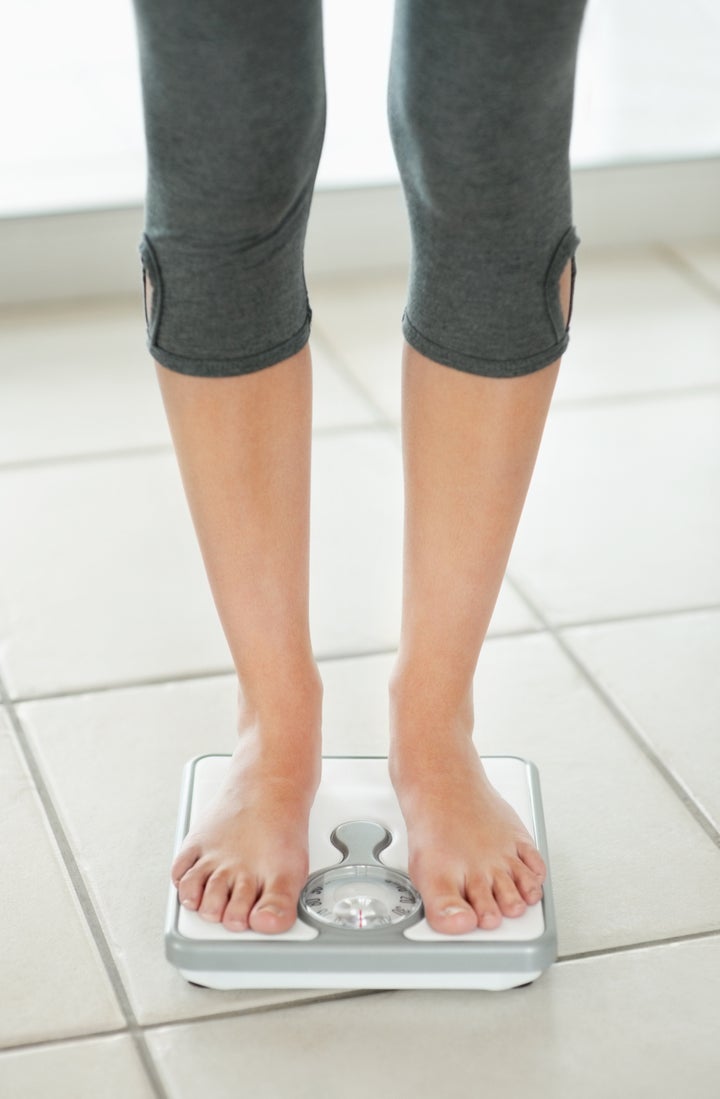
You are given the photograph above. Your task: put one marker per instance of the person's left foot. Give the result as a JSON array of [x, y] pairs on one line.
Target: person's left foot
[[470, 856]]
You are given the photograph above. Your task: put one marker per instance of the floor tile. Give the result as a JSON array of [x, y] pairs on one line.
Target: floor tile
[[104, 1068], [702, 256], [359, 319], [103, 581], [114, 762], [356, 543], [53, 982], [512, 614], [610, 889], [356, 551], [663, 673], [621, 517], [639, 325], [642, 1023], [355, 702], [337, 400], [76, 380]]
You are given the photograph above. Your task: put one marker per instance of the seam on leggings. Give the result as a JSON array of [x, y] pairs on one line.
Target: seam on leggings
[[245, 364], [475, 364]]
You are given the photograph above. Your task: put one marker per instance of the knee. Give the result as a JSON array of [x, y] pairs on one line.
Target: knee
[[239, 187], [480, 119], [480, 102], [497, 316]]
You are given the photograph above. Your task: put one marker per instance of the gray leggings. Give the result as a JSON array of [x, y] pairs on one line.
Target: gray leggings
[[480, 102]]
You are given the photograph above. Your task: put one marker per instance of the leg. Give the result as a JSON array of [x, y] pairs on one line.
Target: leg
[[243, 445], [486, 179], [469, 449], [234, 112]]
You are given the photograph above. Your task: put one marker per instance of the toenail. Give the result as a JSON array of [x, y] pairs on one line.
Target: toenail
[[452, 910], [273, 909], [188, 903]]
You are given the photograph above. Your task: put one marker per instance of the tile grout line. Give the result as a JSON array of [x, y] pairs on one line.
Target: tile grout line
[[666, 250], [190, 1020], [647, 944], [53, 461], [383, 423], [634, 616], [604, 399], [339, 657], [625, 720], [82, 895], [358, 993], [68, 1039], [86, 457], [135, 1030], [327, 343], [351, 994], [218, 673]]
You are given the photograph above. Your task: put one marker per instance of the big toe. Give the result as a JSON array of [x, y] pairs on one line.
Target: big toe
[[446, 910], [183, 862], [275, 910]]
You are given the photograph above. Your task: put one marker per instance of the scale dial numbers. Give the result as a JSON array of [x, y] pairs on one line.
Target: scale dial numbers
[[360, 895], [360, 898]]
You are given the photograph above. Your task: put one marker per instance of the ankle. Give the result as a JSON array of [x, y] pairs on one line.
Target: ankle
[[422, 697], [289, 694]]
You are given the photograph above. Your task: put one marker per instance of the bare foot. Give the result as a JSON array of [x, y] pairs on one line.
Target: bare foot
[[470, 855], [246, 861]]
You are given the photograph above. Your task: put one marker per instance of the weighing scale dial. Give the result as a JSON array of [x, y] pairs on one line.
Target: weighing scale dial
[[360, 894]]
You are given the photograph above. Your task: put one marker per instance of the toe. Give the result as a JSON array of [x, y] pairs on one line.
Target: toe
[[532, 859], [192, 884], [185, 859], [484, 904], [507, 896], [446, 910], [529, 884], [242, 898], [215, 896], [276, 907]]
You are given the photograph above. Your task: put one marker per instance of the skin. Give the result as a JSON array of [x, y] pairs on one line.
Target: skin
[[469, 448]]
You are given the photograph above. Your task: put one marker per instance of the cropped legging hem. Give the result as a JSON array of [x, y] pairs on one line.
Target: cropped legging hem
[[205, 367], [473, 364], [479, 108]]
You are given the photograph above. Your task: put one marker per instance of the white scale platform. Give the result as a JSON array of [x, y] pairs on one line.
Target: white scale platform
[[358, 789]]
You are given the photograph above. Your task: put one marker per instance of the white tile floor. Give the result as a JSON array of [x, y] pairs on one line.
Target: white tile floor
[[601, 665]]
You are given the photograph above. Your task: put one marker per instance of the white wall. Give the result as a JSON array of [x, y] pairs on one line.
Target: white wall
[[648, 89], [645, 148]]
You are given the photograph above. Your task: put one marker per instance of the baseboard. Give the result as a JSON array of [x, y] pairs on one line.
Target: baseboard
[[88, 253]]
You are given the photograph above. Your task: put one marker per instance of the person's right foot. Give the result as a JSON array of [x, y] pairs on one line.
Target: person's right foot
[[246, 860]]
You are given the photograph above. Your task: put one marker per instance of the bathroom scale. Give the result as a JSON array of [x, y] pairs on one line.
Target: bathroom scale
[[360, 921]]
